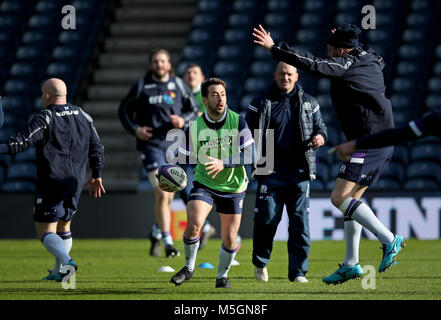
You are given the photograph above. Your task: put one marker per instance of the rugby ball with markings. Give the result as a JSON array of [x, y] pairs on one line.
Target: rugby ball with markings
[[172, 176]]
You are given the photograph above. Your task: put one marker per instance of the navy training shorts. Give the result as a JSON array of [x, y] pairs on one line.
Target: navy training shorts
[[225, 202], [48, 210], [366, 165]]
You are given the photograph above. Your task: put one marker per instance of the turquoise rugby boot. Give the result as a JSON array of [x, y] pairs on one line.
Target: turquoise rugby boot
[[343, 274], [66, 272], [390, 252], [50, 276]]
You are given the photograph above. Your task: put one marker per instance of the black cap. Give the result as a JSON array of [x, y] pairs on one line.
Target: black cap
[[345, 36]]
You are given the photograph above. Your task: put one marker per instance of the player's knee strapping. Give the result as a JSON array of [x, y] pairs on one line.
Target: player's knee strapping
[[348, 207]]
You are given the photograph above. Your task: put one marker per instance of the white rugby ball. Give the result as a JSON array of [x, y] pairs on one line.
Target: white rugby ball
[[172, 176]]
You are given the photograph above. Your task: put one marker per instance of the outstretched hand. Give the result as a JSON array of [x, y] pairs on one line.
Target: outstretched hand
[[214, 166], [345, 150], [96, 187], [263, 38]]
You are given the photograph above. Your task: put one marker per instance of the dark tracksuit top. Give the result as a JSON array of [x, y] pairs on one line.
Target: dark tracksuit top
[[429, 125], [151, 103], [65, 138], [357, 87]]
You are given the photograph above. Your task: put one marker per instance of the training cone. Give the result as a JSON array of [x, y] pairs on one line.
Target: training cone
[[206, 265], [166, 269]]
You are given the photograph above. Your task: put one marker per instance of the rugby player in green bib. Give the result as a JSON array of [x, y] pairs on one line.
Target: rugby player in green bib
[[220, 144]]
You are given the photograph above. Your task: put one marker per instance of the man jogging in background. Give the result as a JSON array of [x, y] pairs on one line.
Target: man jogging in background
[[358, 95], [65, 139], [159, 102]]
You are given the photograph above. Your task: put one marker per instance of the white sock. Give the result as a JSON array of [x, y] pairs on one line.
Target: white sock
[[191, 247], [226, 257], [55, 245], [167, 239], [352, 239], [156, 232], [67, 239], [361, 213]]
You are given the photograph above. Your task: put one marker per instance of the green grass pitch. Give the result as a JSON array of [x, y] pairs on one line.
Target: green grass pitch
[[121, 269]]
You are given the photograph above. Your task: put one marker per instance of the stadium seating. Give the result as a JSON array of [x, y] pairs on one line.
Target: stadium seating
[[35, 47]]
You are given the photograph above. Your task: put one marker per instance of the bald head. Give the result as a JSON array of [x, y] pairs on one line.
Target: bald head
[[286, 77], [54, 91]]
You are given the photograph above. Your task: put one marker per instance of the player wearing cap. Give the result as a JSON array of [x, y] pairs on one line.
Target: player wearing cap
[[358, 95]]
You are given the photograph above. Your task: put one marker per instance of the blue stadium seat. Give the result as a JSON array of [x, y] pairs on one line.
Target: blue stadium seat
[[433, 101], [205, 20], [385, 5], [16, 104], [315, 5], [277, 19], [67, 53], [401, 118], [424, 169], [348, 17], [262, 68], [240, 20], [26, 156], [434, 85], [210, 5], [280, 5], [421, 5], [232, 52], [401, 154], [419, 184], [39, 38], [305, 36], [410, 52], [48, 7], [260, 53], [32, 54], [404, 84], [406, 68], [426, 151], [402, 102], [384, 20], [27, 71], [322, 172], [200, 36], [12, 7], [77, 38], [386, 184], [61, 70], [237, 36], [310, 20], [5, 159], [245, 6], [19, 87], [379, 36], [323, 85], [256, 85], [22, 170], [421, 20], [437, 68], [395, 170], [194, 52], [438, 52], [325, 102], [349, 5], [418, 36], [227, 69], [18, 186], [44, 22], [318, 185]]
